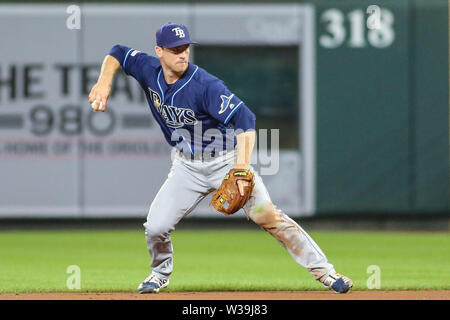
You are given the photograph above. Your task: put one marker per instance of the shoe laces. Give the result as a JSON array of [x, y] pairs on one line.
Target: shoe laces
[[328, 281], [153, 278]]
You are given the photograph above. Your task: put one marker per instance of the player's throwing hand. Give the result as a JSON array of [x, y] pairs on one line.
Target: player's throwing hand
[[101, 90], [98, 97]]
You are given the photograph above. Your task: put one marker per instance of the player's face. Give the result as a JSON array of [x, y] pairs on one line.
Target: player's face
[[175, 58]]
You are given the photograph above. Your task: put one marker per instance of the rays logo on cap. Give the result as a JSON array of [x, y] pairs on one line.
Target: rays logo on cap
[[179, 32], [173, 35]]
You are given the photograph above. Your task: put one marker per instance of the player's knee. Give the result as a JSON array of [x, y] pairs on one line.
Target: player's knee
[[156, 230]]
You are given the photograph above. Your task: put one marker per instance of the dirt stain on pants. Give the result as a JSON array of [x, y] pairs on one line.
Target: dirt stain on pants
[[292, 237]]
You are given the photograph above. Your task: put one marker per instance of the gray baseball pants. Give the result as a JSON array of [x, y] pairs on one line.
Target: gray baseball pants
[[189, 182]]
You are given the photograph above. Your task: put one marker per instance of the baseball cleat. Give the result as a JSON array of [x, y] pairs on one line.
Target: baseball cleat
[[152, 284], [338, 283]]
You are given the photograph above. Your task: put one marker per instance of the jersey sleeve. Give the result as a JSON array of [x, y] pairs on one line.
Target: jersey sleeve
[[226, 107], [133, 62]]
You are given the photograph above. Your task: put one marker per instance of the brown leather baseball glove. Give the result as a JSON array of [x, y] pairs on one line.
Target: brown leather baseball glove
[[227, 199]]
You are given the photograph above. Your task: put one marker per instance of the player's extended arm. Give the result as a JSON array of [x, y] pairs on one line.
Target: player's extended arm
[[100, 91], [245, 144]]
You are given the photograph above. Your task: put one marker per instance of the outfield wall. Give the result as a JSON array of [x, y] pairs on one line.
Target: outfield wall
[[362, 110]]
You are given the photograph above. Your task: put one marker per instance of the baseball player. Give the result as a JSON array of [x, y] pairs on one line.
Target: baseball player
[[212, 133]]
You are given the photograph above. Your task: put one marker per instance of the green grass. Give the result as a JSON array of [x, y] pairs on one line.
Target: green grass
[[217, 260]]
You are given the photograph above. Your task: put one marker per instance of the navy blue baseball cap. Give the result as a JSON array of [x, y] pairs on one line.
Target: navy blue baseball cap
[[172, 35]]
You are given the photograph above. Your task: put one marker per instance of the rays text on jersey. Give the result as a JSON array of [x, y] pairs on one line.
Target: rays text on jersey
[[175, 117]]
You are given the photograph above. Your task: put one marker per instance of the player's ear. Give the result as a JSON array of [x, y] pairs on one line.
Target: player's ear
[[158, 51]]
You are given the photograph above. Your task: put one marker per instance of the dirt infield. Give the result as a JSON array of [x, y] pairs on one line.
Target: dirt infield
[[228, 295]]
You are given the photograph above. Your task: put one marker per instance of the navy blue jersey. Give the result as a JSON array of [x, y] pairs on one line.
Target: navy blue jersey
[[197, 112]]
